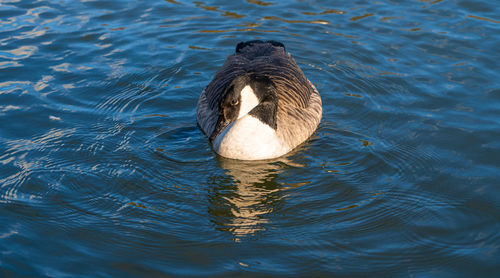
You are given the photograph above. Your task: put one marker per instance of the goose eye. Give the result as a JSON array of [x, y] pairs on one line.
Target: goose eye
[[234, 102]]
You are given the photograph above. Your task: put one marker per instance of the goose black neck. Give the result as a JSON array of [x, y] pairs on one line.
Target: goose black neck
[[265, 90]]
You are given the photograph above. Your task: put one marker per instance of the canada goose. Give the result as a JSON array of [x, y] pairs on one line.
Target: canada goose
[[259, 104]]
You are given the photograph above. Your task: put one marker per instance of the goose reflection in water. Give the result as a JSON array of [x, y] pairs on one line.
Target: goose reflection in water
[[243, 199]]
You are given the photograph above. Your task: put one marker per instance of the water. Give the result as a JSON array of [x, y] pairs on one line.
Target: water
[[104, 173]]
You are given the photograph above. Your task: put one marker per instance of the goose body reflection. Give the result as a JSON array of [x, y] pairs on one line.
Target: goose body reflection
[[242, 204], [259, 105]]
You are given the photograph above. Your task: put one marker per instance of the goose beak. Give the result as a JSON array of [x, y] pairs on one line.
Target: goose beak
[[221, 125]]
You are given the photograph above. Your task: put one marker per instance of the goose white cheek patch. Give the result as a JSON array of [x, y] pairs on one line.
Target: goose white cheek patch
[[248, 101]]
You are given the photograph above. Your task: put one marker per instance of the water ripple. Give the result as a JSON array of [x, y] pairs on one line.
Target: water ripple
[[102, 162]]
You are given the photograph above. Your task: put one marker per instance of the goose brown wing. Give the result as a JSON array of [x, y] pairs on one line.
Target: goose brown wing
[[266, 59], [293, 87]]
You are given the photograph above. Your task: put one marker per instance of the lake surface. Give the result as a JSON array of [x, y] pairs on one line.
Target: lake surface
[[104, 172]]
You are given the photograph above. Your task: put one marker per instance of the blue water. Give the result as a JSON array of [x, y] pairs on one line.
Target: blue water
[[104, 172]]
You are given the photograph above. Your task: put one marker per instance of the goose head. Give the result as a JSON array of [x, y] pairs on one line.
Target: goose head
[[249, 94]]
